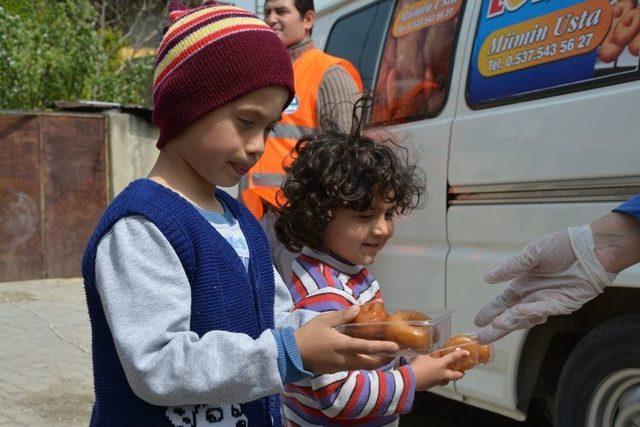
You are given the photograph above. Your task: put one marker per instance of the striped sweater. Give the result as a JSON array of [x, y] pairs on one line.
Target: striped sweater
[[322, 283]]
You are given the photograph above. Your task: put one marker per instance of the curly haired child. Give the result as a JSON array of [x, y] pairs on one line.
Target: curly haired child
[[190, 323], [343, 193]]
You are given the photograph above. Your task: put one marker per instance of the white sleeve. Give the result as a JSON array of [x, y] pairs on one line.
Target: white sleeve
[[146, 298], [284, 304]]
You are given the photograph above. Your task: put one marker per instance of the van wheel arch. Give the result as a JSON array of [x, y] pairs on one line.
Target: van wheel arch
[[547, 347], [601, 376]]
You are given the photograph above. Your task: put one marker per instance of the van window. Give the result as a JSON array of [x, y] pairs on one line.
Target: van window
[[358, 36], [534, 48], [415, 70]]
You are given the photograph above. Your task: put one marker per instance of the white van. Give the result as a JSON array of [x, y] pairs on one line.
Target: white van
[[526, 120]]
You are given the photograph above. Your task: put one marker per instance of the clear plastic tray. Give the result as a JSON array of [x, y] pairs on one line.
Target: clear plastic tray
[[413, 336], [480, 354]]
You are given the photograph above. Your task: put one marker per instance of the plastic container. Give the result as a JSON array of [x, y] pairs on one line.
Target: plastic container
[[413, 336], [480, 354]]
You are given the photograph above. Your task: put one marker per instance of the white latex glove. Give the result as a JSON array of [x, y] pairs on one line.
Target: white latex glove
[[553, 275]]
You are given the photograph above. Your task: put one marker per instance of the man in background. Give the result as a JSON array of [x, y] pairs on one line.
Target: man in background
[[326, 86]]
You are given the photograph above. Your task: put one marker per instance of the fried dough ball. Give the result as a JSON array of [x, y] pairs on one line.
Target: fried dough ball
[[369, 314], [407, 335], [478, 353]]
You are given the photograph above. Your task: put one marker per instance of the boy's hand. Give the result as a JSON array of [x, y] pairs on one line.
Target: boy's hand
[[431, 371], [325, 350]]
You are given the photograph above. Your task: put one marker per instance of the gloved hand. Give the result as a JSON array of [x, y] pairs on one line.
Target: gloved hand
[[553, 275]]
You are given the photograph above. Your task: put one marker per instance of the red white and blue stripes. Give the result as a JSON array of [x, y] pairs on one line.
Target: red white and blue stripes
[[365, 398]]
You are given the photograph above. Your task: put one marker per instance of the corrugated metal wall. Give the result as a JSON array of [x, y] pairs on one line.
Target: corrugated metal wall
[[53, 188]]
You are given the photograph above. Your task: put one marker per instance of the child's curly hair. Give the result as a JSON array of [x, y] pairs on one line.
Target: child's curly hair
[[336, 169]]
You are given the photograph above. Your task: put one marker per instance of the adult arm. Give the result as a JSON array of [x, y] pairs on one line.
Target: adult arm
[[558, 273], [337, 94], [617, 236]]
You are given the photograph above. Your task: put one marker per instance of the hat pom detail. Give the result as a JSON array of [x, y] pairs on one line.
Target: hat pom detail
[[177, 10]]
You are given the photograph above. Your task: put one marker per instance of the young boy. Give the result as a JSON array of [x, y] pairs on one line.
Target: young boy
[[190, 325], [343, 192]]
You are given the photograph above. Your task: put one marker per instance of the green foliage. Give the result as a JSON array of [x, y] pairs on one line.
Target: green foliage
[[129, 85], [54, 50]]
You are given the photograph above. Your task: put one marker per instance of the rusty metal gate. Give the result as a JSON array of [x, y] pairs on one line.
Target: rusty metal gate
[[53, 188]]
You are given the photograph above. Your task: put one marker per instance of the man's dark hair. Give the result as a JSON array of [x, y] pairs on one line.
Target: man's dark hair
[[336, 169], [304, 6]]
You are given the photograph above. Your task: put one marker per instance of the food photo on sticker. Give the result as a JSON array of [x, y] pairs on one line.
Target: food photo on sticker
[[623, 35], [415, 65]]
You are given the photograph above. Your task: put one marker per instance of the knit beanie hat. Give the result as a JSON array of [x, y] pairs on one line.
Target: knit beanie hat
[[209, 56]]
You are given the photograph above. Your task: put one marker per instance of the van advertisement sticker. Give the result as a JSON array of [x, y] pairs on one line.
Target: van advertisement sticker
[[524, 46], [415, 68], [423, 14]]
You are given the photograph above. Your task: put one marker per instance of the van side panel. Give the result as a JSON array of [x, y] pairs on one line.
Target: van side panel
[[579, 138], [411, 268], [585, 135]]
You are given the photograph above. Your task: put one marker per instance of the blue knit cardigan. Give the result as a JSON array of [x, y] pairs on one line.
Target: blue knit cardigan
[[223, 296]]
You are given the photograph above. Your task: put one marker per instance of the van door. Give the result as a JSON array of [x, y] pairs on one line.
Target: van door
[[546, 136], [413, 77], [413, 69]]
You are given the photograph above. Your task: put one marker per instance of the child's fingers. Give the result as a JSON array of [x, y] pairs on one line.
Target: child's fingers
[[369, 347], [453, 356], [453, 375], [335, 318]]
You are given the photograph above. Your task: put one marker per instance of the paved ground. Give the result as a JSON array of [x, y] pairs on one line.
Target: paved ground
[[45, 364], [437, 411]]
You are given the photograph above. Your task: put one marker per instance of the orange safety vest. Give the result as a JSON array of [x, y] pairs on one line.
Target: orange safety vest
[[299, 118]]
